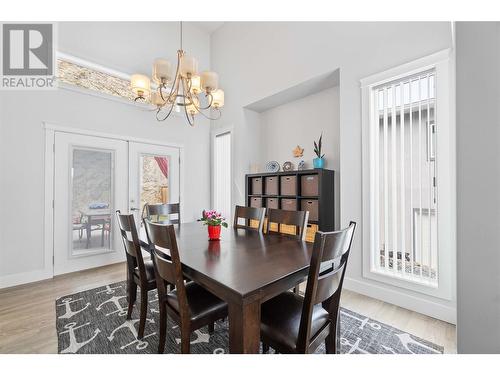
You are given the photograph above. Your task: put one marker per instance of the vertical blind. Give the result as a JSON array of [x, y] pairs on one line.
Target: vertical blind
[[222, 174], [404, 131]]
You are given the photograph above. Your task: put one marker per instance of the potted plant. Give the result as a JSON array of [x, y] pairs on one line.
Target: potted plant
[[214, 221], [318, 162]]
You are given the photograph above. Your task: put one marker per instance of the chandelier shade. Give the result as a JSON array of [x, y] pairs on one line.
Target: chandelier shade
[[162, 71], [181, 88], [141, 85], [218, 98], [209, 81]]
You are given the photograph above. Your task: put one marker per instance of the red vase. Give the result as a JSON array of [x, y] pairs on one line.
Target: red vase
[[214, 232]]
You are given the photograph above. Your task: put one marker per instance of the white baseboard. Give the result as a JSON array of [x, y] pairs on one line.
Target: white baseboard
[[25, 278], [401, 299]]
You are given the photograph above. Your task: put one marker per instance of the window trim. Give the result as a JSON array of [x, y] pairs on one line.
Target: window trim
[[442, 63]]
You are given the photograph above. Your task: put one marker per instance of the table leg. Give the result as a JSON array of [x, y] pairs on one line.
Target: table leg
[[244, 327]]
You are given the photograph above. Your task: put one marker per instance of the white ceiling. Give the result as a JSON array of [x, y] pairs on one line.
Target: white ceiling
[[208, 27]]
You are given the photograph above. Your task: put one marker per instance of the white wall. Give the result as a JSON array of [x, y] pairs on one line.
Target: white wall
[[256, 60], [478, 186], [128, 47], [301, 122]]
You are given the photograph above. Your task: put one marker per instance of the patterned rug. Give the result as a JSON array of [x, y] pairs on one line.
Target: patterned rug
[[94, 321]]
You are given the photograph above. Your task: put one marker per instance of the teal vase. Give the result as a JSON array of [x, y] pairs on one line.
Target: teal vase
[[318, 163]]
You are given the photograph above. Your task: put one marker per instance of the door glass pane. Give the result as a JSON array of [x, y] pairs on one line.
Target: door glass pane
[[91, 200], [154, 182]]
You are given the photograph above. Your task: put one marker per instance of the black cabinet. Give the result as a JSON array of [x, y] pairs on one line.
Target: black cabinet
[[310, 189]]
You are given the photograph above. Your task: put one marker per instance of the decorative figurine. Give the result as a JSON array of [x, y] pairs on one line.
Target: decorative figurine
[[298, 152], [288, 166]]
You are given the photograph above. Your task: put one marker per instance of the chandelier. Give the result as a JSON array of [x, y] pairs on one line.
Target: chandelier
[[182, 89]]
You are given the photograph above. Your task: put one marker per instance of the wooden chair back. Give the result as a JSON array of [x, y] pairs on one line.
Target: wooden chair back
[[296, 218], [168, 267], [326, 276], [130, 239], [249, 213], [162, 212]]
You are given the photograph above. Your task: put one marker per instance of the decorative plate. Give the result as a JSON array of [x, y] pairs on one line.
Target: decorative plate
[[272, 166], [288, 166]]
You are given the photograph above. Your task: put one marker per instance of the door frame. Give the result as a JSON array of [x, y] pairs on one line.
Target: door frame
[[213, 134], [50, 130]]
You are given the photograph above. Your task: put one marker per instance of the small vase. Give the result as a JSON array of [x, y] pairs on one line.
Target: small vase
[[214, 232], [318, 163]]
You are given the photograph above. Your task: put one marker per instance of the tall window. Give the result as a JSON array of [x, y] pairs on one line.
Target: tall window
[[409, 179], [405, 201], [222, 173]]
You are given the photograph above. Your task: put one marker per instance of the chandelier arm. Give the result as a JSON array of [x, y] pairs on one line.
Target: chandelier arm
[[190, 120], [186, 94], [172, 90], [168, 113], [188, 80], [199, 108], [212, 118]]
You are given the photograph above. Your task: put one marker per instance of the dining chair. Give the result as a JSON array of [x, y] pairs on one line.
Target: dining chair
[[189, 304], [163, 210], [139, 272], [296, 218], [294, 324], [249, 213]]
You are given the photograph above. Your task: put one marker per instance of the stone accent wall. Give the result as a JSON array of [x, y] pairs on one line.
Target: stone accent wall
[[94, 80]]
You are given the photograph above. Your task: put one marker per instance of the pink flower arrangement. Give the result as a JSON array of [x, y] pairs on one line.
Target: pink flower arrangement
[[213, 218]]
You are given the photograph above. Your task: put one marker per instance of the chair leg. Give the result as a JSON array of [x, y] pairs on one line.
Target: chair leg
[[185, 339], [163, 328], [265, 348], [131, 296], [211, 327], [331, 344], [144, 312], [332, 341]]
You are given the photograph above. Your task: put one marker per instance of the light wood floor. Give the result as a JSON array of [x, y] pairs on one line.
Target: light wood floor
[[27, 312]]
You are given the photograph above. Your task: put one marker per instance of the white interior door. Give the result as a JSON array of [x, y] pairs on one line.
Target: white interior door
[[153, 176], [90, 183]]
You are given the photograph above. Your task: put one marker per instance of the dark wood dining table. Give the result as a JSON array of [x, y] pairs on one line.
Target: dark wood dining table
[[245, 268]]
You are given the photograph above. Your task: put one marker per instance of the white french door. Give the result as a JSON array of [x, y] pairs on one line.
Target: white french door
[[89, 185], [95, 176], [154, 176]]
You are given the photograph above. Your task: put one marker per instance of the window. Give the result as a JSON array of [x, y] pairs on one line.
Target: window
[[408, 160], [222, 173], [405, 178]]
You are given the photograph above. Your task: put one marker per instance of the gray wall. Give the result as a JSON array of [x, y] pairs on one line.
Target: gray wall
[[301, 122], [128, 47], [478, 187], [258, 59]]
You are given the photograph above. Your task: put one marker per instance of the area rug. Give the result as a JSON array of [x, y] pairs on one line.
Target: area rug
[[94, 322]]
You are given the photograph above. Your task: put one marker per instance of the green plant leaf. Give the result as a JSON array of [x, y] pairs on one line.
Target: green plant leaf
[[224, 225]]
